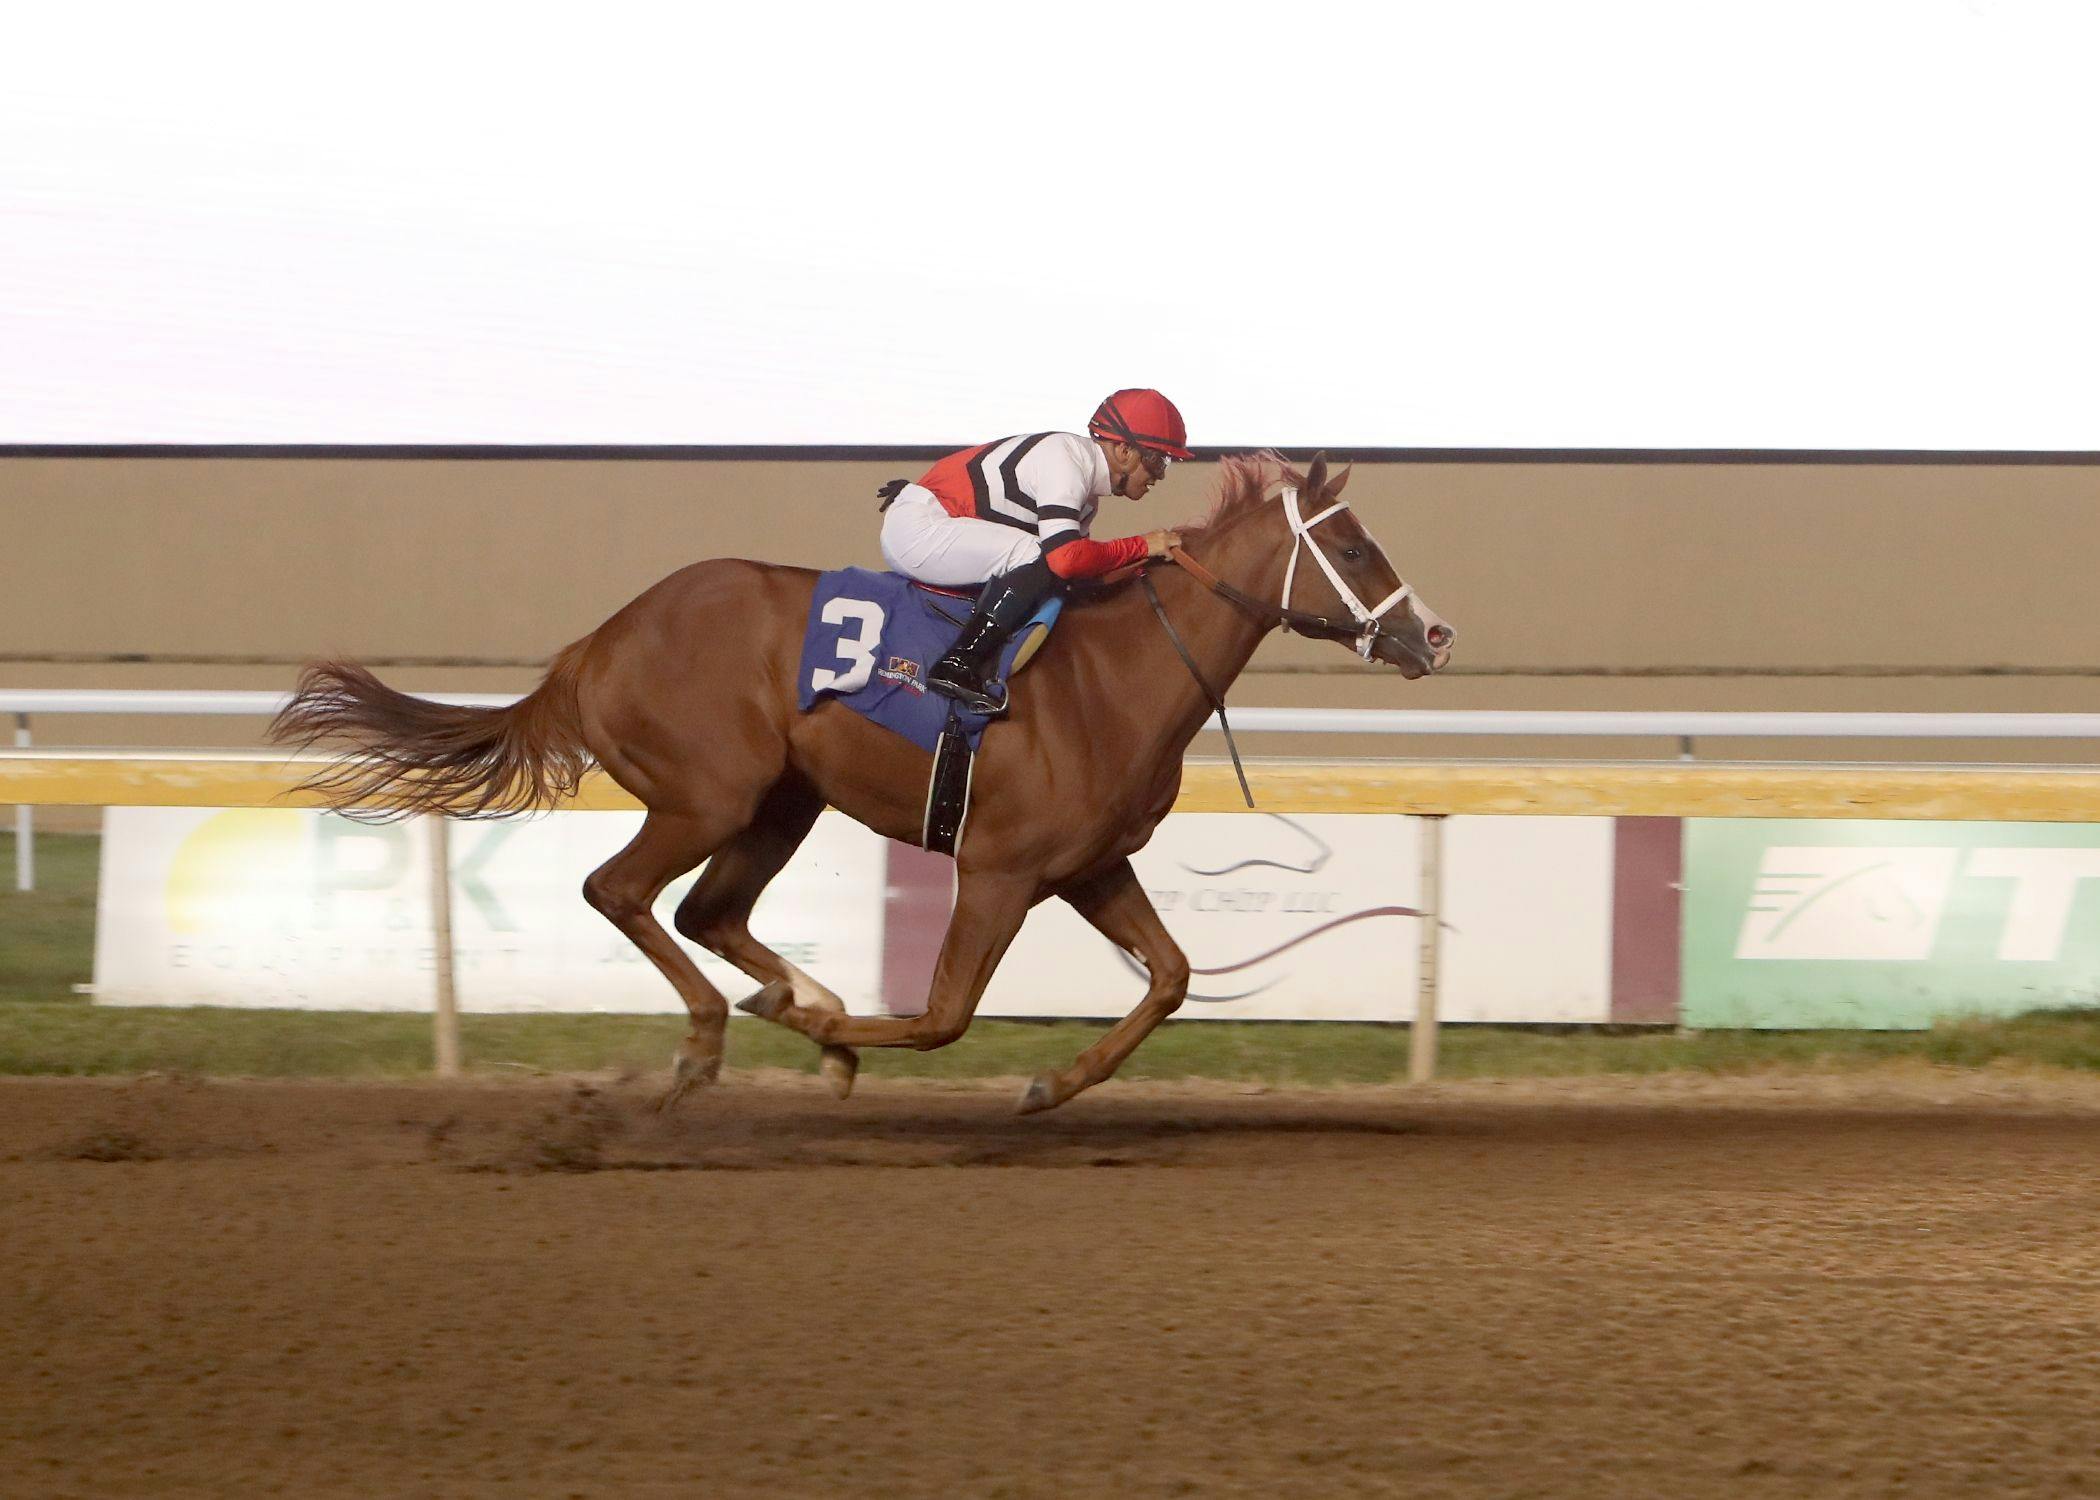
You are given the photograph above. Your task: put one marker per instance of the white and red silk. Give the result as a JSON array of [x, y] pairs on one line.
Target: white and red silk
[[1057, 485]]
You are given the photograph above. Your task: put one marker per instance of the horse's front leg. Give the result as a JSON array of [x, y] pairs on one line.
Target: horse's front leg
[[988, 912], [1119, 909]]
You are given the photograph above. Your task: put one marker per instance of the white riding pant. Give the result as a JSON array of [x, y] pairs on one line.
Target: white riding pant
[[921, 540]]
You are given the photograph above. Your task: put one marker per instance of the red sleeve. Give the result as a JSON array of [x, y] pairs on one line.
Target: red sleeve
[[1083, 557]]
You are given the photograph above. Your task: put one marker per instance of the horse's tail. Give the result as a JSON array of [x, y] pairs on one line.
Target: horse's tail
[[410, 755]]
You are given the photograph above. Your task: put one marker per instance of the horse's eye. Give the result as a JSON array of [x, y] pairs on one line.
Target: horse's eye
[[1352, 554]]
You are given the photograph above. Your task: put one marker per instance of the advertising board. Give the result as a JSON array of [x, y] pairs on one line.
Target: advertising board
[[1283, 918], [1317, 918], [279, 907], [1886, 925]]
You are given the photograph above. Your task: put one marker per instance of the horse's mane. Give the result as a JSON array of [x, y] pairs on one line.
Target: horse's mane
[[1244, 481]]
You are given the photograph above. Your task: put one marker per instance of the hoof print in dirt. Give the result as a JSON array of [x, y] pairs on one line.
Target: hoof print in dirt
[[110, 1143], [572, 1138]]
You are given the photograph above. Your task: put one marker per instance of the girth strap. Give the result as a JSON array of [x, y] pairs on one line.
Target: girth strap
[[948, 790]]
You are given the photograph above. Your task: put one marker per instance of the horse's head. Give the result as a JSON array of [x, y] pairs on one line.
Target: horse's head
[[1339, 584]]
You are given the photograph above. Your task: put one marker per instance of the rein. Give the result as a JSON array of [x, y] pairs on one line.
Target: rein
[[1363, 632], [1302, 621], [1217, 704]]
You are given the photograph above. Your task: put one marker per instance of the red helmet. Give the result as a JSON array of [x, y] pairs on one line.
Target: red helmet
[[1143, 418]]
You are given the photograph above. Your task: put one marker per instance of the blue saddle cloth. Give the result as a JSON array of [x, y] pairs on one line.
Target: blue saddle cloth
[[871, 640]]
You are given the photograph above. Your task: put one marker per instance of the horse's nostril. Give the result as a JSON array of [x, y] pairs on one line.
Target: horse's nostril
[[1439, 636]]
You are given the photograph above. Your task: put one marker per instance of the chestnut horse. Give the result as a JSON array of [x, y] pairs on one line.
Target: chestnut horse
[[686, 698]]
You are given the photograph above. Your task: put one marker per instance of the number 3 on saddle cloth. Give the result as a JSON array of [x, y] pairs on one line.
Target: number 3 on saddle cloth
[[871, 639]]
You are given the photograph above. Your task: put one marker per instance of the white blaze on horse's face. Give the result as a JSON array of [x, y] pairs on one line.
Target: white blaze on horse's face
[[1416, 639]]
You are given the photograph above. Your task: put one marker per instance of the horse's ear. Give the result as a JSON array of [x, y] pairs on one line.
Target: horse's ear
[[1316, 476], [1339, 482]]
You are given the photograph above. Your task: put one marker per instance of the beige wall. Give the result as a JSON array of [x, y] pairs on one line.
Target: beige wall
[[1737, 579]]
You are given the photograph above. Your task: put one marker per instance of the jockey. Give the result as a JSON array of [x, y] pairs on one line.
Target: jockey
[[1013, 515]]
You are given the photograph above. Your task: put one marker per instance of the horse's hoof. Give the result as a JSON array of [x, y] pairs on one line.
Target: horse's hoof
[[839, 1066], [1041, 1094], [688, 1074], [681, 1085], [770, 1002]]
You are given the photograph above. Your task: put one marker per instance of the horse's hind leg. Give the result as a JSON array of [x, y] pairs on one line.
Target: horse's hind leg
[[623, 890], [989, 908], [1117, 906], [716, 913]]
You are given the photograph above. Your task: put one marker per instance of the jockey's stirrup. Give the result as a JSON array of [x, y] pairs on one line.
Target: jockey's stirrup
[[961, 673], [1004, 607]]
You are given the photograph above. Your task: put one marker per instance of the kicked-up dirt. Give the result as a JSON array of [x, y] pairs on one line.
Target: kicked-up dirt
[[1863, 1285]]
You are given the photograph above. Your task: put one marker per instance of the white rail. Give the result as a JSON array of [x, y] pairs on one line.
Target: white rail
[[204, 701], [1667, 724], [1659, 724]]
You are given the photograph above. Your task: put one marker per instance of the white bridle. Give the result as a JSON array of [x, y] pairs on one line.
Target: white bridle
[[1301, 535]]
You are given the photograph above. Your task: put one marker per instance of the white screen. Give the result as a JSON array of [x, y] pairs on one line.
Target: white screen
[[1842, 224]]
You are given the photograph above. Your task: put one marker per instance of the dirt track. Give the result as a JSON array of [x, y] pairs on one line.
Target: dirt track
[[1630, 1290]]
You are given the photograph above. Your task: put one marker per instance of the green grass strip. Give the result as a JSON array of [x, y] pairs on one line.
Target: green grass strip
[[47, 936]]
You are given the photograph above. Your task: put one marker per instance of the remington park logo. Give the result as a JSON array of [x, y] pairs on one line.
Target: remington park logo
[[1861, 902], [904, 671]]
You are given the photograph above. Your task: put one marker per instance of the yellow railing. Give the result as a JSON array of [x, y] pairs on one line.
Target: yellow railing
[[2013, 794]]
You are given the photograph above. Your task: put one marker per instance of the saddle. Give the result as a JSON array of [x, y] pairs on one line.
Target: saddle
[[869, 642]]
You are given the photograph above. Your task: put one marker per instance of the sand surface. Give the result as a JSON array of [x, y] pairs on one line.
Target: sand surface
[[1829, 1285]]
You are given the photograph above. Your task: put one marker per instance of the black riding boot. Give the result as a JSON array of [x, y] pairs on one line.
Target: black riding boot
[[1007, 603]]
